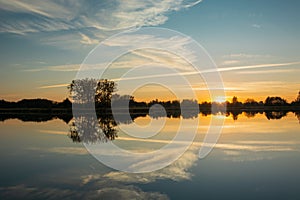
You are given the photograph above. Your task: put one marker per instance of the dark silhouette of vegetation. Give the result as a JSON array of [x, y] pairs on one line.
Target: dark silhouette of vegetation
[[298, 116], [37, 104], [37, 110], [91, 130], [112, 109], [297, 101], [275, 101], [101, 92], [86, 91], [275, 114], [189, 108]]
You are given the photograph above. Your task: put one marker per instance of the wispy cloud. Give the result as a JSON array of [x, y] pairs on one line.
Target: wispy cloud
[[269, 71], [242, 151], [98, 190], [179, 170], [256, 26], [230, 62], [87, 40], [257, 66], [69, 150], [255, 148], [53, 86], [246, 59], [246, 55], [55, 132], [260, 88], [62, 150], [268, 142], [96, 17], [204, 88], [137, 57], [56, 68], [223, 69]]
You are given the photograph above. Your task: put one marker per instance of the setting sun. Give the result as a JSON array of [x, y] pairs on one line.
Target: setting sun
[[220, 99]]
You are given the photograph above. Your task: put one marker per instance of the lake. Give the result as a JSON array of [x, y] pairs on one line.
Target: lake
[[255, 158]]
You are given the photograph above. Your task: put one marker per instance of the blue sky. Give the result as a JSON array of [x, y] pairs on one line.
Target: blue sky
[[42, 43]]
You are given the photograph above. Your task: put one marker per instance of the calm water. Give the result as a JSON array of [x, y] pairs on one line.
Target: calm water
[[255, 158]]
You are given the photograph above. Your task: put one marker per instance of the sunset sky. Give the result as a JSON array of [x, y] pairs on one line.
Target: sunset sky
[[255, 43]]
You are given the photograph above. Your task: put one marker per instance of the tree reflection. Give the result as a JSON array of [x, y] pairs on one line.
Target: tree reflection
[[275, 114], [107, 125], [235, 114], [89, 129], [107, 121], [298, 114], [189, 109], [250, 114]]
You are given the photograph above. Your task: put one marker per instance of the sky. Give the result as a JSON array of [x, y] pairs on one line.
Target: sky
[[254, 43]]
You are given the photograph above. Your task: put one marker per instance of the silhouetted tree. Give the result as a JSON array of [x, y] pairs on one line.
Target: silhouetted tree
[[297, 101], [235, 103], [298, 97], [275, 101], [205, 108], [64, 104], [234, 100], [85, 91], [104, 91], [35, 103], [121, 102], [251, 102]]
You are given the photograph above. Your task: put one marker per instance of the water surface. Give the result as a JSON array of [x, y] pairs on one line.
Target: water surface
[[255, 158]]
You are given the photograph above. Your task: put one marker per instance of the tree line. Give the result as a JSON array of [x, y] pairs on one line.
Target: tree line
[[103, 94]]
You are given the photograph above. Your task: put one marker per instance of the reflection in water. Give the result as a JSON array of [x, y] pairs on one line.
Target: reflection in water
[[36, 116], [298, 116], [250, 114], [231, 153], [275, 114], [155, 113], [89, 129], [235, 114], [253, 148], [96, 190]]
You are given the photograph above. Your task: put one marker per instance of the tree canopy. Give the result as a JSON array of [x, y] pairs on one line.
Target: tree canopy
[[85, 91]]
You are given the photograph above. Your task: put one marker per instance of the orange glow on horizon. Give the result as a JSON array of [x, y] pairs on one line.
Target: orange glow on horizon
[[158, 92]]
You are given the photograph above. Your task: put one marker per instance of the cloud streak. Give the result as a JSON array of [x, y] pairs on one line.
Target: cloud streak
[[256, 26], [53, 86], [90, 21], [224, 69]]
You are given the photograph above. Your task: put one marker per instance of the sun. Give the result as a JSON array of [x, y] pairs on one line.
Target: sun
[[220, 99]]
